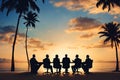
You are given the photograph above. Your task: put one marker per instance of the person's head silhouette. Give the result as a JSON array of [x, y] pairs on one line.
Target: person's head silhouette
[[56, 56], [47, 56], [77, 56], [66, 55], [33, 55], [87, 56]]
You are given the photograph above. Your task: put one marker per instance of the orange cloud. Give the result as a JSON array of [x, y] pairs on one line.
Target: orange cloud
[[100, 44], [69, 4], [36, 44], [85, 5], [87, 35]]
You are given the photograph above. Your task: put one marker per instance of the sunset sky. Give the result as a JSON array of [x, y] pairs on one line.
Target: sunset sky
[[66, 27]]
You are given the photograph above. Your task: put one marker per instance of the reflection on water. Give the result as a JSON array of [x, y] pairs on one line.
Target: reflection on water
[[19, 67], [22, 67]]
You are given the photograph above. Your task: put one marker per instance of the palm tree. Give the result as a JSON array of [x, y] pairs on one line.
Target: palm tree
[[30, 20], [21, 7], [108, 4], [112, 33]]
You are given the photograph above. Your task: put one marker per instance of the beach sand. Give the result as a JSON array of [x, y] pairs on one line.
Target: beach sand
[[92, 76]]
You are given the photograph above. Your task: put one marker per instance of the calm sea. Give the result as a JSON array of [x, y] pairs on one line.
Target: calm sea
[[22, 67]]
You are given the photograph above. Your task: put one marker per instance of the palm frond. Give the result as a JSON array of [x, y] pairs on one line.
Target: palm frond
[[112, 43], [99, 3], [112, 33], [9, 5], [106, 40], [43, 1], [34, 6], [31, 19], [117, 41], [107, 4], [103, 34], [33, 25], [104, 6], [109, 7]]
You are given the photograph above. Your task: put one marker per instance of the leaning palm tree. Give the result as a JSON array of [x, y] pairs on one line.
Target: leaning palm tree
[[30, 20], [112, 33], [108, 4], [21, 7]]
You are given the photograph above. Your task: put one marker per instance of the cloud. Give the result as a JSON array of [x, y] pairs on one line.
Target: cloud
[[85, 5], [4, 60], [98, 45], [75, 4], [7, 36], [72, 47], [37, 44], [7, 29], [69, 4], [82, 23], [87, 35]]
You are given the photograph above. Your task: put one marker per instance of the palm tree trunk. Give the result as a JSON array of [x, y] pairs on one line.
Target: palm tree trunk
[[117, 61], [27, 50], [14, 42]]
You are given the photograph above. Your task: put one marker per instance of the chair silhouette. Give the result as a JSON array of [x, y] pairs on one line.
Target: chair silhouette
[[77, 71], [47, 71], [46, 64], [56, 64], [58, 70]]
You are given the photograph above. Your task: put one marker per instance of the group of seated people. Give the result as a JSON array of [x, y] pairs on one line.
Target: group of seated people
[[35, 65]]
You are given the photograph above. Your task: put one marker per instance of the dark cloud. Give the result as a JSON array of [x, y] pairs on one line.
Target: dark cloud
[[87, 35], [7, 29], [82, 23], [4, 60], [98, 46], [7, 34], [35, 43]]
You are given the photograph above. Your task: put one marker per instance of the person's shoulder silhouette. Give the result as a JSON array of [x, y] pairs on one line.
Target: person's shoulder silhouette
[[35, 65], [77, 61], [33, 60], [66, 62], [56, 62], [88, 61], [46, 61]]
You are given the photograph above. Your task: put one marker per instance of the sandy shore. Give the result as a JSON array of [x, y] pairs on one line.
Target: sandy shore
[[92, 76]]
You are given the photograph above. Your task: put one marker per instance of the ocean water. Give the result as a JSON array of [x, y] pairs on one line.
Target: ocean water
[[22, 67]]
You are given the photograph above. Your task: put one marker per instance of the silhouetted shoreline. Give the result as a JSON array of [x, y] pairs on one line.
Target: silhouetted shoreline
[[92, 76]]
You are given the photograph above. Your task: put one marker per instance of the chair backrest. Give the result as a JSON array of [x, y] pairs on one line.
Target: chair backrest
[[46, 63], [90, 63], [78, 63]]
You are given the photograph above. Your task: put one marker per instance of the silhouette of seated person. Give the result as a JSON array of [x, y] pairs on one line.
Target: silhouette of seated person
[[66, 63], [77, 65], [35, 65], [46, 64], [56, 64], [87, 64]]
